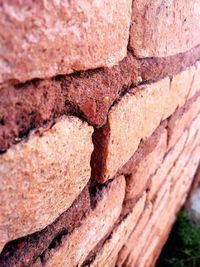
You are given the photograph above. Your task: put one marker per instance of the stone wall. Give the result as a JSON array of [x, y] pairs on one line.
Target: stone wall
[[99, 129]]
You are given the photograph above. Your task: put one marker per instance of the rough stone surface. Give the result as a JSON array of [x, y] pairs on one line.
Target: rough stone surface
[[129, 251], [169, 159], [155, 68], [43, 176], [180, 87], [178, 194], [145, 166], [57, 238], [145, 242], [108, 254], [25, 250], [176, 172], [163, 28], [182, 119], [195, 83], [135, 118], [179, 177], [75, 247], [132, 119], [43, 39], [88, 94]]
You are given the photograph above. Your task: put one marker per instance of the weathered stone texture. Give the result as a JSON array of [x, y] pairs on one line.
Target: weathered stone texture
[[164, 28], [180, 87], [132, 119], [75, 247], [146, 166], [135, 117], [25, 250], [129, 252], [195, 83], [177, 198], [144, 244], [89, 94], [108, 254], [119, 230], [170, 157], [42, 176], [41, 39], [182, 119]]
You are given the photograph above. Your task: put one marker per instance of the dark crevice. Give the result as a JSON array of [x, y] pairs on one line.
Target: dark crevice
[[57, 240], [100, 140]]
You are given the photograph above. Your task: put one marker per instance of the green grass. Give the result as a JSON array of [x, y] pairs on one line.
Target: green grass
[[183, 246]]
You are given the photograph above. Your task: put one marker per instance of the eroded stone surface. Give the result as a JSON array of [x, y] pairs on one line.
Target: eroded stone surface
[[146, 167], [134, 118], [129, 252], [163, 28], [24, 251], [75, 247], [145, 242], [182, 119], [43, 176], [180, 87], [108, 254], [88, 94], [43, 39]]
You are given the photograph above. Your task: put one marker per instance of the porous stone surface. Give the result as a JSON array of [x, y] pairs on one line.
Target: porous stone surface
[[88, 94], [75, 247], [182, 118], [154, 161], [163, 28], [146, 240], [195, 82], [178, 195], [169, 159], [128, 253], [180, 88], [23, 251], [144, 168], [108, 254], [42, 176], [43, 39], [134, 118]]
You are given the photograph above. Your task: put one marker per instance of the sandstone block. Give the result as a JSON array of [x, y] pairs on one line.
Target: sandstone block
[[169, 159], [196, 81], [160, 230], [180, 87], [182, 119], [147, 166], [108, 254], [128, 254], [43, 39], [25, 250], [91, 93], [75, 247], [192, 144], [146, 233], [41, 176], [180, 177], [132, 119], [164, 28]]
